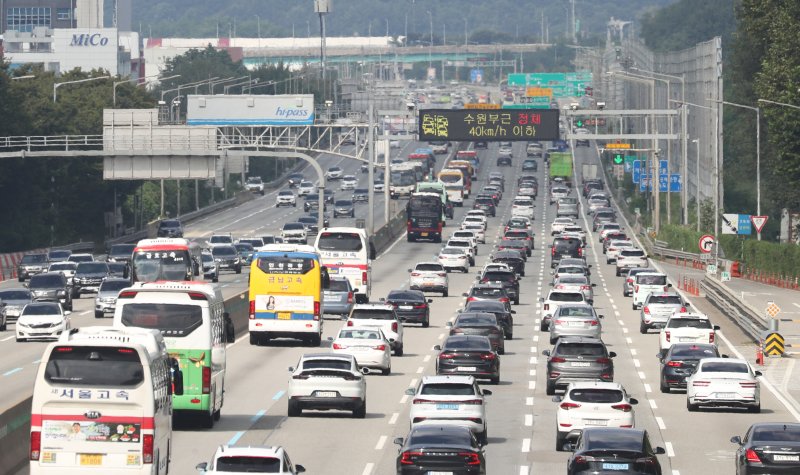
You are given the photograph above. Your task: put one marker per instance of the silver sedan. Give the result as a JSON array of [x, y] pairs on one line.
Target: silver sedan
[[575, 320]]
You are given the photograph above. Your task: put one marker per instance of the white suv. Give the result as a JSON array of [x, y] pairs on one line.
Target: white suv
[[522, 206], [591, 404], [559, 224], [294, 232], [285, 198], [553, 300], [305, 188], [629, 259], [229, 459], [450, 400], [220, 240], [429, 277], [327, 381], [687, 328], [645, 283], [382, 316], [255, 185]]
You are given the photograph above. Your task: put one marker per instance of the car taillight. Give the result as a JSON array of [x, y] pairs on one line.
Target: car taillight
[[446, 356], [316, 310], [594, 323], [711, 337], [349, 323], [666, 287], [557, 359], [748, 384], [636, 288], [569, 405], [147, 448], [419, 306], [547, 306], [415, 274], [456, 331], [560, 287], [394, 327], [701, 384], [470, 458], [488, 356], [580, 252], [630, 281], [442, 274], [683, 309], [379, 347], [586, 287], [750, 454], [349, 297], [622, 407], [36, 444], [558, 322], [552, 251], [206, 383], [675, 364], [406, 458], [602, 360], [301, 376], [252, 309], [646, 310], [667, 335], [364, 277], [503, 299]]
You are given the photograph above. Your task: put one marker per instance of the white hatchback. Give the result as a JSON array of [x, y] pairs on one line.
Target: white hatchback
[[368, 345], [450, 400], [381, 316], [522, 206], [615, 247], [646, 282], [349, 182], [559, 224], [429, 277], [592, 404], [477, 230], [723, 382], [629, 259], [475, 220]]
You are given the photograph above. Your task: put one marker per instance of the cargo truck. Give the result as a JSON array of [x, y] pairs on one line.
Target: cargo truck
[[561, 166]]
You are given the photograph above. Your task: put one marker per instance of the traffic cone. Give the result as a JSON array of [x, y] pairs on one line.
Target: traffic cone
[[759, 354]]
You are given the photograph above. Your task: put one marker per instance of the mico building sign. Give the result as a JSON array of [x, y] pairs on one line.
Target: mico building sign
[[89, 39]]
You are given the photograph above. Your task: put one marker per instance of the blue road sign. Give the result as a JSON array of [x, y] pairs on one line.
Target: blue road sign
[[675, 183], [644, 183], [744, 225], [663, 165], [637, 171], [663, 183]]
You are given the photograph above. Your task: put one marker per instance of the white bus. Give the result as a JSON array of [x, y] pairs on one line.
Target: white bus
[[102, 403], [191, 316], [402, 179], [346, 252]]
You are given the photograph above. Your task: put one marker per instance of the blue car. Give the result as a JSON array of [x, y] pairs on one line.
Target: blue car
[[246, 252]]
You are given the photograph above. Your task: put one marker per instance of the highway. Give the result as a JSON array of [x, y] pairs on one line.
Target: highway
[[521, 418]]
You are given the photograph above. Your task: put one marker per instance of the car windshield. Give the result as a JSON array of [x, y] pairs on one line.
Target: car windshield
[[492, 306], [64, 266], [725, 367], [91, 267], [703, 323], [447, 389], [405, 295], [114, 285], [372, 314], [454, 243], [248, 464], [285, 193], [480, 344], [339, 241], [42, 309], [293, 226], [569, 279], [338, 285], [173, 320], [360, 334], [664, 299], [60, 254], [596, 395], [575, 312], [651, 279], [223, 251], [15, 295], [488, 292], [452, 251], [565, 297], [693, 352], [34, 259], [580, 349], [475, 321], [327, 364], [626, 440], [498, 276], [570, 270], [220, 239], [170, 224], [632, 253], [429, 267], [244, 247], [46, 281]]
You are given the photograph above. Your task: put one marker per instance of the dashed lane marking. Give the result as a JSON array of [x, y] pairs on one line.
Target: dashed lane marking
[[670, 451], [381, 442], [660, 422], [653, 404], [393, 419], [526, 445], [368, 469], [647, 388], [528, 420], [529, 401]]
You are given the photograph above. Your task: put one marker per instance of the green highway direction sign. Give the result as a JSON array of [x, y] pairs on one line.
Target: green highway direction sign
[[562, 84]]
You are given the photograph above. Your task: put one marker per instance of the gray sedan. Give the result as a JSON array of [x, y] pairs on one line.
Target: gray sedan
[[344, 208], [575, 320]]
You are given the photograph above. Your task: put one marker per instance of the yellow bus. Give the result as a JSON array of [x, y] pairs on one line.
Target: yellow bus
[[286, 285]]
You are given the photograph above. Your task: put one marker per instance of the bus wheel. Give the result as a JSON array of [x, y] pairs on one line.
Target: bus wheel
[[315, 340], [254, 339], [207, 420], [217, 414]]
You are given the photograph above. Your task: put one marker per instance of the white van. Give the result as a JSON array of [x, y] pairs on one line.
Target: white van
[[102, 403], [191, 316], [646, 282]]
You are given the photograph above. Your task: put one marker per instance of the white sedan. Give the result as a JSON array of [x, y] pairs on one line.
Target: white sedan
[[477, 230], [723, 382], [349, 182], [592, 404], [42, 320], [306, 188], [558, 225], [367, 345], [452, 258], [614, 248]]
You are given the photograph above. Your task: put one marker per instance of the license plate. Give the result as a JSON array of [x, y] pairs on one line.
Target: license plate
[[595, 422], [725, 395], [690, 339], [575, 324], [615, 466], [91, 459], [438, 473], [786, 458], [466, 368], [447, 407], [580, 364], [326, 393], [406, 307], [423, 234], [284, 316]]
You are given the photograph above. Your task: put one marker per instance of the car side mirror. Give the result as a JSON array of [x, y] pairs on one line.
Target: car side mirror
[[594, 285], [398, 441], [660, 451], [513, 312], [736, 440], [557, 399], [546, 352], [465, 294], [612, 354], [487, 392], [541, 299], [716, 327], [330, 338], [409, 270], [365, 370], [669, 285], [601, 316], [437, 347], [633, 401], [410, 392], [687, 304], [758, 373], [449, 324], [291, 369], [299, 468], [569, 447], [201, 467]]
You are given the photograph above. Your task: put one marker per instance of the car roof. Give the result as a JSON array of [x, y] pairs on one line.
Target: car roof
[[372, 306], [327, 356], [579, 339], [693, 316], [261, 451], [441, 378]]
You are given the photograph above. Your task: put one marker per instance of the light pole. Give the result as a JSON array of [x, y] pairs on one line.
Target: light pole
[[188, 84], [27, 76], [758, 149], [466, 37], [56, 85], [697, 191], [430, 46], [117, 83], [222, 81]]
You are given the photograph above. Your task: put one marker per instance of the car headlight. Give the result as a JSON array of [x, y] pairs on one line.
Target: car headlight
[[21, 324]]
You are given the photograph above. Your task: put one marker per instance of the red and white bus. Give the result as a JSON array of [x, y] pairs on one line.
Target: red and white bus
[[347, 252], [160, 259]]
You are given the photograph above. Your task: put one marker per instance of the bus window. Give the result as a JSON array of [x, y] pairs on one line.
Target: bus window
[[99, 366], [339, 241], [171, 319]]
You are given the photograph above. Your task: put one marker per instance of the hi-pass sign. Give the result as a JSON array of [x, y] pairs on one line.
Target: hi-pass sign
[[506, 124]]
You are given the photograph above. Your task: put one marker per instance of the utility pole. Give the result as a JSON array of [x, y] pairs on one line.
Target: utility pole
[[371, 158]]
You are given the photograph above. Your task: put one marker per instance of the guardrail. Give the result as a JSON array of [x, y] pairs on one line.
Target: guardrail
[[746, 317]]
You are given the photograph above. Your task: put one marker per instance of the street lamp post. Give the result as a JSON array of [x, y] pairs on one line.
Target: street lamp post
[[117, 83], [56, 85], [430, 46], [466, 37]]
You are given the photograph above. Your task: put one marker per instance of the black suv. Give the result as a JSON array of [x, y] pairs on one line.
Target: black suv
[[51, 287], [170, 228], [88, 277], [485, 203], [31, 264], [565, 247], [121, 252], [504, 160], [507, 278]]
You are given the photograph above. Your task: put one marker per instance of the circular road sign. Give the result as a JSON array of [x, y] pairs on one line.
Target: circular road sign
[[706, 243]]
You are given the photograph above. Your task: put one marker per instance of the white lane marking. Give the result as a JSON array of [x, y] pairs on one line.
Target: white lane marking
[[413, 383], [536, 337], [660, 422], [404, 399], [381, 442], [647, 388], [528, 420], [636, 362], [526, 445], [523, 470], [368, 469], [85, 312], [426, 358], [393, 419], [441, 336], [531, 384], [12, 371], [529, 401], [616, 313], [621, 322], [8, 338], [624, 329], [629, 340], [670, 450], [533, 360], [641, 375], [533, 349], [533, 372], [420, 370], [653, 404], [633, 352]]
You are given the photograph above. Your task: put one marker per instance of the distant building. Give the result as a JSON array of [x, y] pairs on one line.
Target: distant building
[[25, 15]]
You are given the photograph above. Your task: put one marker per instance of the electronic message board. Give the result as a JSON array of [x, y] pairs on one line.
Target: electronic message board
[[488, 125]]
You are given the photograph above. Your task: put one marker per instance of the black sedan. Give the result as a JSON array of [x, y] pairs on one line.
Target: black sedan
[[480, 323], [514, 245], [468, 355], [411, 306], [680, 361], [614, 450], [513, 259], [486, 204], [504, 316], [769, 448], [440, 449]]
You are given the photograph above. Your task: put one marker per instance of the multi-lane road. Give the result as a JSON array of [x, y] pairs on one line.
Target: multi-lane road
[[521, 418]]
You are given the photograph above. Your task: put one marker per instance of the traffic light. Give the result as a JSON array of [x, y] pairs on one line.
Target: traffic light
[[579, 123], [619, 159]]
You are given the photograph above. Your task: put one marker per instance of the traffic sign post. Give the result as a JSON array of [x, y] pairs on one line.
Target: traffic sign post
[[706, 243], [772, 309]]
